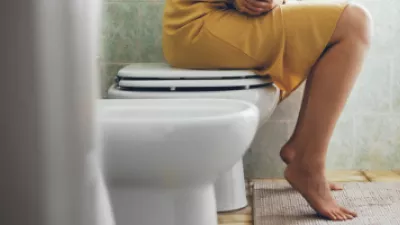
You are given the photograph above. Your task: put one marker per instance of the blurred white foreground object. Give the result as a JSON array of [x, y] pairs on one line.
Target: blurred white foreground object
[[47, 99]]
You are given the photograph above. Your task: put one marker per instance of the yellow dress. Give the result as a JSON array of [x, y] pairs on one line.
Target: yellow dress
[[283, 44]]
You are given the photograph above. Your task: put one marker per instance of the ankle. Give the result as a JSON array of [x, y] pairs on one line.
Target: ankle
[[309, 164], [287, 153]]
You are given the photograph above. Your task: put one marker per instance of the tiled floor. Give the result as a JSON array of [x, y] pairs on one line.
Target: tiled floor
[[244, 216]]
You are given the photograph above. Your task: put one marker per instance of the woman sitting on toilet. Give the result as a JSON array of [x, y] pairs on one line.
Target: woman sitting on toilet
[[324, 43]]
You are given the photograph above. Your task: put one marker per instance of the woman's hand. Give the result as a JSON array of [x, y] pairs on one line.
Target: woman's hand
[[257, 7]]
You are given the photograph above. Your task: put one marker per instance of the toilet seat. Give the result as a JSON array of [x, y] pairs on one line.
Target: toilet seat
[[160, 77]]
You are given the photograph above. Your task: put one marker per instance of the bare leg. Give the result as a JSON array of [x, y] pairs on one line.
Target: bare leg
[[327, 90], [287, 154]]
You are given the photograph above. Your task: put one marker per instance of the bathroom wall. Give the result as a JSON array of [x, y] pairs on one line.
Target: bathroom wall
[[367, 135]]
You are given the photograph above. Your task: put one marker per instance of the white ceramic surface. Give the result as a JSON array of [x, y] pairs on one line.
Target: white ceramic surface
[[192, 83], [265, 99], [230, 187], [162, 157], [163, 70], [48, 51]]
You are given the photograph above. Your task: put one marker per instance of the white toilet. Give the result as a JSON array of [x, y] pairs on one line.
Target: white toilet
[[160, 81], [162, 157]]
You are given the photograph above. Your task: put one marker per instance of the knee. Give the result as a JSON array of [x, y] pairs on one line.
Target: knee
[[357, 23]]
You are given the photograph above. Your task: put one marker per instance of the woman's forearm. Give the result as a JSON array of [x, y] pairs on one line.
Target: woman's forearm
[[256, 7]]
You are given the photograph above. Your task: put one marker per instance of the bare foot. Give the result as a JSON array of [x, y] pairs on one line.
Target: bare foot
[[313, 187], [287, 155]]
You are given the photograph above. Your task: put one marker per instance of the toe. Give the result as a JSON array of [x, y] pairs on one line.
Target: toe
[[336, 187], [339, 216], [348, 212], [343, 216], [327, 215], [332, 216]]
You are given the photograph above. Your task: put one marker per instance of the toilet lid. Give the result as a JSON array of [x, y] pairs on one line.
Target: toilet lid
[[162, 77], [163, 70]]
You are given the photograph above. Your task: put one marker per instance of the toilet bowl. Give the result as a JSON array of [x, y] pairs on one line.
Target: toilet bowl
[[160, 81], [162, 157]]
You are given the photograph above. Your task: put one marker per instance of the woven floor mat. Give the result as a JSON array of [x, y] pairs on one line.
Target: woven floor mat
[[276, 203]]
